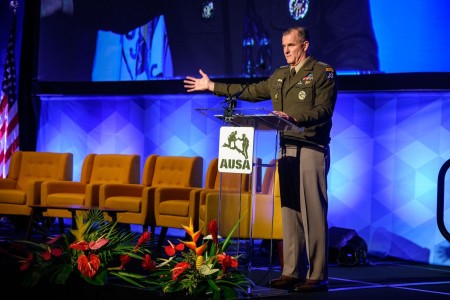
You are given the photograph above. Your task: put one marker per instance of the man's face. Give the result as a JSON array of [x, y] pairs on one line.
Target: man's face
[[294, 49]]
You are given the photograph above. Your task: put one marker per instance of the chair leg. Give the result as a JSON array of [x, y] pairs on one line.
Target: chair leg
[[162, 236], [30, 226], [124, 226], [61, 224], [280, 252]]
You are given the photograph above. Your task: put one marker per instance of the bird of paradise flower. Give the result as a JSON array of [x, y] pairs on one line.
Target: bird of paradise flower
[[201, 270]]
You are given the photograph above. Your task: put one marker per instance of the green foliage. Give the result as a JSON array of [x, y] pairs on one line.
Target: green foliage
[[97, 250], [57, 261], [204, 271]]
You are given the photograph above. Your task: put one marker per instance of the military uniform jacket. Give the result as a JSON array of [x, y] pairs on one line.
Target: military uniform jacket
[[309, 97]]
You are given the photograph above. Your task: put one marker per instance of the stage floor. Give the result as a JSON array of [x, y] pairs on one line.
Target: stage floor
[[379, 279]]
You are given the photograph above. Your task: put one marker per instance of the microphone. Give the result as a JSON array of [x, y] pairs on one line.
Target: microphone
[[228, 114], [261, 66]]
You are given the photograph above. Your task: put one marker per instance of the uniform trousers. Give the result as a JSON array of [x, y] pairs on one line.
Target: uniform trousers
[[303, 189]]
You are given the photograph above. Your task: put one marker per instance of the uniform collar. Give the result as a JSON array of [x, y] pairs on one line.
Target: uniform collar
[[301, 64]]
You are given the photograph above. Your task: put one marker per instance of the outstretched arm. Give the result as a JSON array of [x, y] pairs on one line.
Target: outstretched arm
[[193, 84]]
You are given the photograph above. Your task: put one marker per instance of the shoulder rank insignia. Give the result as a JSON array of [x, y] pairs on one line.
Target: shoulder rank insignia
[[329, 73]]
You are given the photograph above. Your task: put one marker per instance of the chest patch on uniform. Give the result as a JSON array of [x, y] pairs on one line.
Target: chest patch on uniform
[[302, 95]]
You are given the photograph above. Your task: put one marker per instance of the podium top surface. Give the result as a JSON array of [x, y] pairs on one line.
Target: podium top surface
[[258, 118]]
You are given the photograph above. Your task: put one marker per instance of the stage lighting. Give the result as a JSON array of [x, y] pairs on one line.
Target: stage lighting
[[352, 251]]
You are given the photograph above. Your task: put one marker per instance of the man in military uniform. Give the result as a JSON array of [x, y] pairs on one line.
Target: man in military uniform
[[303, 92]]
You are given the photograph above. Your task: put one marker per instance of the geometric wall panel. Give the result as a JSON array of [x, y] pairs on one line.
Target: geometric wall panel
[[386, 151]]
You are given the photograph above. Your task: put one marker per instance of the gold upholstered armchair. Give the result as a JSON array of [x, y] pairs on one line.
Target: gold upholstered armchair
[[136, 199], [236, 202], [162, 199], [175, 178], [267, 223], [97, 169], [267, 220], [233, 186], [27, 170]]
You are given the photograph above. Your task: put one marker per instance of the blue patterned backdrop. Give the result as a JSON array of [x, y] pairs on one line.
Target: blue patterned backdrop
[[386, 150]]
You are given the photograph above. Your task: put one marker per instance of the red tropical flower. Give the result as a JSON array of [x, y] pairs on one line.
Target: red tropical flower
[[46, 255], [171, 249], [145, 237], [213, 230], [227, 261], [26, 263], [88, 267], [56, 252], [98, 244], [148, 263], [82, 245], [124, 259], [53, 239], [94, 245], [179, 269]]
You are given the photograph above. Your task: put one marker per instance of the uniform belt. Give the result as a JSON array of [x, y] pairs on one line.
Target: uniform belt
[[302, 144]]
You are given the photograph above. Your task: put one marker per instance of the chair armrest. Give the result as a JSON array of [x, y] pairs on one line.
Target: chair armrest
[[58, 186], [92, 194], [116, 189], [148, 202], [109, 190], [163, 194], [170, 193], [195, 194], [149, 192], [33, 191], [203, 193]]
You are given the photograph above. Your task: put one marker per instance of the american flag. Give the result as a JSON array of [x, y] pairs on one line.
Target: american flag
[[9, 115]]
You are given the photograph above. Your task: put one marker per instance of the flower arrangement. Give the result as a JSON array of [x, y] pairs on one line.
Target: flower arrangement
[[97, 250], [202, 270], [94, 250]]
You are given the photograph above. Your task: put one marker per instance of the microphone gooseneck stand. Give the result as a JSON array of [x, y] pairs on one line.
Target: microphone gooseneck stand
[[230, 103]]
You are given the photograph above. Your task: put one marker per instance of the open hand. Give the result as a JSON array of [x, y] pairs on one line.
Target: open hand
[[193, 84]]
